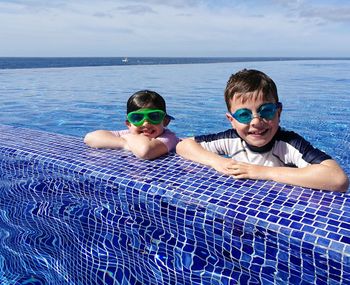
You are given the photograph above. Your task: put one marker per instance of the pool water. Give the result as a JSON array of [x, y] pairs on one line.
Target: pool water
[[315, 96], [70, 214]]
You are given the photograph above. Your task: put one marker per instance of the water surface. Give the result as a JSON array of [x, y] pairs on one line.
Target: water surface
[[75, 100]]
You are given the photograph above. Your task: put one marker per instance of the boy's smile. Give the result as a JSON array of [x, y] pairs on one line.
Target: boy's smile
[[149, 122], [150, 131], [259, 131], [147, 129]]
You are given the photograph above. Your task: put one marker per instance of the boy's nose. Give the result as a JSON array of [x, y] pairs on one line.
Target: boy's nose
[[146, 122], [256, 119]]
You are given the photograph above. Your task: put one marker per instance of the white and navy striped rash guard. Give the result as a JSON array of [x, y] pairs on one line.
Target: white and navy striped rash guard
[[286, 149]]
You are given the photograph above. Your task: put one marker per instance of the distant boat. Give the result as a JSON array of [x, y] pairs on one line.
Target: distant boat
[[125, 60]]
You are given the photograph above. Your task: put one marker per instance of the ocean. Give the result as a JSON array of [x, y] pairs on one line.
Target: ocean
[[50, 62], [73, 96]]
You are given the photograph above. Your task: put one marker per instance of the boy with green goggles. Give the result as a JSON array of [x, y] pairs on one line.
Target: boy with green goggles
[[153, 116], [147, 136]]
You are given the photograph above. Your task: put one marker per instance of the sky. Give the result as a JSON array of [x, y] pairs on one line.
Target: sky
[[175, 28]]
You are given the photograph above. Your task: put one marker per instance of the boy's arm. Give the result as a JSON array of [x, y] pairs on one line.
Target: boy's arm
[[140, 145], [190, 149], [327, 175], [144, 147], [104, 139]]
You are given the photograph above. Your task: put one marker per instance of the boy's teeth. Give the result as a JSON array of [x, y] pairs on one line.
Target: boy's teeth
[[257, 133]]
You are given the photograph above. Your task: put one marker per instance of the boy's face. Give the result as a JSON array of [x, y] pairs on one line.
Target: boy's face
[[147, 128], [259, 131]]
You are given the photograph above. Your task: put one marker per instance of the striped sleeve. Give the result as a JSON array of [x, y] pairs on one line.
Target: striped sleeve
[[295, 150]]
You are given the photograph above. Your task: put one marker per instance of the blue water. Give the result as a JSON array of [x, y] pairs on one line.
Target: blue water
[[75, 100], [49, 62]]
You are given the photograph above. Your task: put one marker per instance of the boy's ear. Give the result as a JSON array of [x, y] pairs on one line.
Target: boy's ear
[[279, 112], [127, 123], [230, 119], [166, 121]]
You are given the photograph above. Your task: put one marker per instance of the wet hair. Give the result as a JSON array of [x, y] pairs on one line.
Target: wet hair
[[249, 81], [145, 99]]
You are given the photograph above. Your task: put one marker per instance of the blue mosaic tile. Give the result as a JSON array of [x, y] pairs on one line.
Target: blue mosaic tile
[[77, 215]]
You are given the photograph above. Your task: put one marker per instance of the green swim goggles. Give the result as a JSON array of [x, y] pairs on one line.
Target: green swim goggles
[[266, 111], [153, 116]]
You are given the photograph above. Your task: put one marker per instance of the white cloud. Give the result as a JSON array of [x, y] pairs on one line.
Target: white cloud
[[136, 9], [174, 28]]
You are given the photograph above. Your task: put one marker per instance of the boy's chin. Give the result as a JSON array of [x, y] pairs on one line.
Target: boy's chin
[[149, 134], [259, 140], [258, 143]]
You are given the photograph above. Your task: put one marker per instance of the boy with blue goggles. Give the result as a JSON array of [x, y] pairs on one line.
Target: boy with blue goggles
[[257, 147], [265, 111]]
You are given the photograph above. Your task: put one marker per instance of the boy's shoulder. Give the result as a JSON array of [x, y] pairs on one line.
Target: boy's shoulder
[[286, 133], [168, 131], [288, 136], [295, 143]]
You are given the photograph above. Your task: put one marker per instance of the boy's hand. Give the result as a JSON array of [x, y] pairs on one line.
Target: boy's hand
[[326, 175], [240, 170], [144, 147]]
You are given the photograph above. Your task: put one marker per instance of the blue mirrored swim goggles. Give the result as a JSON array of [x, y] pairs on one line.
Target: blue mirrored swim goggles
[[266, 111]]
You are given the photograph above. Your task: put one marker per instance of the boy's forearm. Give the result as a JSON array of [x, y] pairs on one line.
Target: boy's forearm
[[326, 176], [104, 139], [144, 147], [190, 149], [139, 145]]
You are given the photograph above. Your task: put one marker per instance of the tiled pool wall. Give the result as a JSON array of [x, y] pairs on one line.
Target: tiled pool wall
[[70, 214]]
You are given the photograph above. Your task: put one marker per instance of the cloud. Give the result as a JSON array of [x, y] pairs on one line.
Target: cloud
[[321, 10], [327, 13], [174, 27], [30, 5], [136, 9], [169, 3], [103, 15]]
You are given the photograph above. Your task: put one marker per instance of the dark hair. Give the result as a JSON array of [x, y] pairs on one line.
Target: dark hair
[[145, 99], [250, 80]]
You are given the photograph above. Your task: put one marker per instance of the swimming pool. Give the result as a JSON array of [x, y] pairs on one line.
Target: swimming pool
[[75, 215], [74, 101]]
